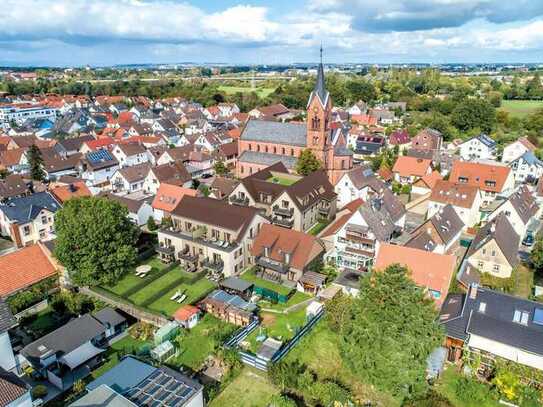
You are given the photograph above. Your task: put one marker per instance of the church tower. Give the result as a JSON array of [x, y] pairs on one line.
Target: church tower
[[319, 109]]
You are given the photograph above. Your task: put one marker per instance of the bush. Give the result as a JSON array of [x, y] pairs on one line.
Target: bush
[[471, 391], [496, 283], [39, 391]]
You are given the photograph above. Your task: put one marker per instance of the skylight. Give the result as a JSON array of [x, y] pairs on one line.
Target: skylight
[[538, 316]]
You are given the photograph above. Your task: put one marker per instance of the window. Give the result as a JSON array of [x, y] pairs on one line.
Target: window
[[480, 264], [493, 253], [44, 219], [266, 148], [258, 147], [250, 147], [283, 150], [521, 317], [482, 307], [496, 268], [26, 230], [292, 151]]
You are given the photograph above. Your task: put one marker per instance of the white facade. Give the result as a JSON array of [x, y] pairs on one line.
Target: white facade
[[7, 359], [470, 216], [512, 216], [475, 149], [95, 177], [20, 114], [513, 151], [526, 166], [347, 192], [129, 160]]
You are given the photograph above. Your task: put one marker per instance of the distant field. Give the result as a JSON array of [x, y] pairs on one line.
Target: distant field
[[521, 108], [261, 92]]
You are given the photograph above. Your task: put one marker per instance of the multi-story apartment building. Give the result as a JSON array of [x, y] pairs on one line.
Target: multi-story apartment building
[[289, 200], [211, 234], [19, 113]]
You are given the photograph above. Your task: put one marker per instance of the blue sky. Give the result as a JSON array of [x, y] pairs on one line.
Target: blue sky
[[107, 32]]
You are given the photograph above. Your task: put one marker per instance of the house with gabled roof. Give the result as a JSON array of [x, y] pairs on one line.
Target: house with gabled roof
[[222, 187], [168, 197], [480, 147], [29, 219], [130, 179], [409, 169], [493, 324], [425, 184], [527, 167], [439, 234], [360, 182], [174, 173], [516, 149], [130, 154], [465, 199], [428, 140], [495, 248], [14, 392], [97, 168], [287, 256]]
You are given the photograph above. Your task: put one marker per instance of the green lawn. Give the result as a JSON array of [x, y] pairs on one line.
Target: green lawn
[[201, 341], [296, 298], [250, 275], [130, 280], [45, 322], [249, 389], [448, 388], [315, 230], [127, 345], [193, 291], [282, 181], [524, 281], [261, 92], [521, 108], [155, 286]]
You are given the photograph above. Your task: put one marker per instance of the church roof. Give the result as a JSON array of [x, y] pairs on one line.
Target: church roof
[[275, 132], [320, 86], [267, 159]]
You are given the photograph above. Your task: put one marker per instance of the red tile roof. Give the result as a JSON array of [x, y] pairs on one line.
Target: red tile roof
[[408, 166], [23, 268], [487, 177], [168, 196], [65, 192], [185, 312]]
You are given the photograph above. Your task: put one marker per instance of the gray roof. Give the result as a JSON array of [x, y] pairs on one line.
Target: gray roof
[[275, 132], [109, 316], [236, 284], [7, 320], [65, 339], [486, 140], [524, 203], [27, 208], [378, 219], [267, 159], [461, 315], [102, 396], [127, 374], [320, 86], [363, 176], [502, 232]]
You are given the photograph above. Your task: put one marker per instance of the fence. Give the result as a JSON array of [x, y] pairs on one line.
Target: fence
[[34, 309], [122, 304], [274, 296], [241, 334]]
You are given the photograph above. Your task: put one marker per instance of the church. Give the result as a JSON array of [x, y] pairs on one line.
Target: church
[[263, 143]]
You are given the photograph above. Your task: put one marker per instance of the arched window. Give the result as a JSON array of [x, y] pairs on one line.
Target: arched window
[[250, 147], [283, 151], [266, 148], [258, 147], [292, 151]]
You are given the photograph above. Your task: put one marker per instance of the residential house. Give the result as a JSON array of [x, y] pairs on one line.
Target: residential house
[[70, 352], [426, 184], [180, 154], [211, 234], [289, 200], [465, 199], [431, 271], [228, 153], [101, 143], [400, 138], [383, 116], [359, 107], [97, 168], [527, 167], [427, 139], [131, 382], [491, 179], [222, 187], [361, 182], [494, 249], [288, 257], [72, 145], [130, 154], [174, 174], [7, 357], [409, 169], [516, 149], [55, 165], [29, 219], [13, 186], [14, 160], [139, 210], [14, 392], [522, 210], [130, 179], [439, 234], [277, 112], [490, 324], [167, 198], [63, 193], [368, 145], [480, 147]]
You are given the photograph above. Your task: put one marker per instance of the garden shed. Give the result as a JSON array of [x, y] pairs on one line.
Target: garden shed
[[163, 352], [166, 332]]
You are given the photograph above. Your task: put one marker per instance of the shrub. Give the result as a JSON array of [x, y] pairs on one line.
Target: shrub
[[471, 391], [39, 391]]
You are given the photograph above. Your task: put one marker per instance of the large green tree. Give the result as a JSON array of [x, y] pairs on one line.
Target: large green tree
[[392, 330], [474, 113], [307, 163], [35, 161], [95, 240]]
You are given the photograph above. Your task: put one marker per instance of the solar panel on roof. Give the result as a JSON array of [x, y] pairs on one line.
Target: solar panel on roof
[[172, 386], [99, 155], [186, 392], [175, 401], [538, 316]]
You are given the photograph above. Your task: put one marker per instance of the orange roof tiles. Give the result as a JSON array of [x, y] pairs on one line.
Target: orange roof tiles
[[431, 270], [185, 312], [168, 196], [411, 166], [342, 217], [65, 192], [431, 179], [447, 192], [23, 268], [487, 177]]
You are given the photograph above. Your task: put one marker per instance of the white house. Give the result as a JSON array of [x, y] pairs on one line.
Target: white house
[[130, 154], [481, 147], [97, 167], [130, 179], [359, 183], [514, 150], [465, 200], [526, 167]]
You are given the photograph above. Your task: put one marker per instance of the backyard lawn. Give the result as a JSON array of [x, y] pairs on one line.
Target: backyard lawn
[[282, 181], [201, 341], [521, 108], [249, 389], [261, 92], [250, 275], [130, 280], [315, 230], [294, 299], [124, 346], [194, 292], [449, 387], [524, 281], [141, 296]]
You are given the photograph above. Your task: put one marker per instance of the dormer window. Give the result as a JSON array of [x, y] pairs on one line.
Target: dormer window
[[266, 252], [482, 307]]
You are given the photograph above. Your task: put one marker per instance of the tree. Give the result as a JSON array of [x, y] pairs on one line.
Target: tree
[[391, 332], [220, 168], [151, 224], [95, 240], [536, 256], [307, 163], [35, 161], [474, 113]]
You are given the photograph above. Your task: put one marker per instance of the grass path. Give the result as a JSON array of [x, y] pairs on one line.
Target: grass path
[[249, 389]]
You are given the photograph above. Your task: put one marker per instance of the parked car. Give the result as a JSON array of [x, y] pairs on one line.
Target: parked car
[[528, 239]]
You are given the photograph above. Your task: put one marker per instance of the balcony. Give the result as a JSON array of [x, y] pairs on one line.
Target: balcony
[[165, 249], [286, 223], [224, 246], [324, 211], [217, 266], [238, 200], [188, 257], [288, 212], [271, 264]]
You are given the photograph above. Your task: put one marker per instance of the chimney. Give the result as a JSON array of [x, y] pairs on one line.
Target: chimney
[[473, 291]]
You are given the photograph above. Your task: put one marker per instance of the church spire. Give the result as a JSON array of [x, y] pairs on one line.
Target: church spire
[[320, 87]]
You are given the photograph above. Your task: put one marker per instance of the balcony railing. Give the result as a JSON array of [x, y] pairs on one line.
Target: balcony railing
[[238, 200], [287, 223], [213, 265], [283, 211], [275, 265], [324, 211], [188, 257], [165, 249]]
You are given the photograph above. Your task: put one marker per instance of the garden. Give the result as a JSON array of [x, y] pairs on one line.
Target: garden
[[250, 275], [156, 289]]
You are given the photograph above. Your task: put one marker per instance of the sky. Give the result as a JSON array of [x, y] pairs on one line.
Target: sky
[[109, 32]]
